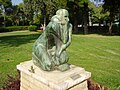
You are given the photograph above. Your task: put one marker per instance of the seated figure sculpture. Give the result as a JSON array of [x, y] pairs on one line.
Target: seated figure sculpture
[[49, 50]]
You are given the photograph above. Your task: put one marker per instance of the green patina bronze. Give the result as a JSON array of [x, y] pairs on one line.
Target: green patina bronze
[[49, 50]]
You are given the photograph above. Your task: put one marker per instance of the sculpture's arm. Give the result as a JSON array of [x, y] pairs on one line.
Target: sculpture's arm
[[64, 46]]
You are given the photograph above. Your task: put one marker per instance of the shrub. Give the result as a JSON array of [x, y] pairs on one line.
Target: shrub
[[116, 28], [12, 83], [4, 29], [95, 29], [92, 85], [17, 28], [13, 28], [32, 28]]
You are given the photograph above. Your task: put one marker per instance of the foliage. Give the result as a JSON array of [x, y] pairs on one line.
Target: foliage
[[101, 30], [12, 83], [92, 85], [28, 10], [78, 9], [3, 29], [13, 28], [114, 8], [18, 15], [1, 21], [41, 9], [116, 29], [13, 15], [74, 10], [98, 29], [17, 28], [40, 12], [32, 28], [96, 14], [6, 3]]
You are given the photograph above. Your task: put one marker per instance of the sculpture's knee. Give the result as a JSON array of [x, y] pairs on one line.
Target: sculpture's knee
[[43, 64], [47, 64], [63, 58], [42, 60]]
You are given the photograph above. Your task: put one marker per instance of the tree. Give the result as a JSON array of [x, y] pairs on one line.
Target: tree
[[54, 5], [97, 14], [78, 9], [21, 14], [18, 15], [43, 8], [114, 9], [28, 10], [74, 10], [85, 10], [35, 7], [4, 5]]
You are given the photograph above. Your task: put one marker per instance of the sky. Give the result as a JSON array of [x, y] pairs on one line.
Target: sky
[[16, 2]]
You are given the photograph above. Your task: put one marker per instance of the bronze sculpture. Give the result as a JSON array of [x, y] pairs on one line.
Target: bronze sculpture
[[49, 50]]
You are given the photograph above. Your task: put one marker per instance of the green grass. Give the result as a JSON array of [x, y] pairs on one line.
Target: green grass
[[98, 54], [15, 47]]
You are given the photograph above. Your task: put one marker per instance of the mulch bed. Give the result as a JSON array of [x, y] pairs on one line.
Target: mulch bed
[[14, 84], [92, 85]]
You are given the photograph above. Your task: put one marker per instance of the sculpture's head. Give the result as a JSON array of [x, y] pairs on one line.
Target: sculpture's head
[[61, 16]]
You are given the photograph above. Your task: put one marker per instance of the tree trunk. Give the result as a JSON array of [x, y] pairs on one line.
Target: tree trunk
[[90, 22], [119, 24], [85, 29], [85, 24], [110, 28], [111, 23], [75, 25], [44, 25], [85, 18], [44, 13]]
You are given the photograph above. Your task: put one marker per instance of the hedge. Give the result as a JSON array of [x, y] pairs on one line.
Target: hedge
[[116, 28], [100, 29], [32, 28], [13, 28]]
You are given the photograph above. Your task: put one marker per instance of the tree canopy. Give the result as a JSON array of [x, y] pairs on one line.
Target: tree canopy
[[82, 12], [113, 6], [6, 3]]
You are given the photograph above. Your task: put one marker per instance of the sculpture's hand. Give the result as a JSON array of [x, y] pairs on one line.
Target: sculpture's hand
[[57, 54], [62, 48], [56, 60], [65, 45]]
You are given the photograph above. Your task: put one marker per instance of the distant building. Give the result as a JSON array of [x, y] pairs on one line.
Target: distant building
[[97, 2]]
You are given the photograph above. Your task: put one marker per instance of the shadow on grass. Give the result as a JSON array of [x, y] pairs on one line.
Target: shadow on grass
[[17, 40]]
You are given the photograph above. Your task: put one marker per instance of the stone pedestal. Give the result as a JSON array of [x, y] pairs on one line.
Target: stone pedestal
[[33, 78]]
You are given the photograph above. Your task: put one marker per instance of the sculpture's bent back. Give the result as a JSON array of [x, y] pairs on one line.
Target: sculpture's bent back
[[49, 50]]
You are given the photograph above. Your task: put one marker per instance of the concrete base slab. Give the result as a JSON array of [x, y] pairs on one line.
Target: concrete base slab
[[33, 78]]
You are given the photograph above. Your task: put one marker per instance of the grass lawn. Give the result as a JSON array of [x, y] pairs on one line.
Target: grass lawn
[[98, 54]]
